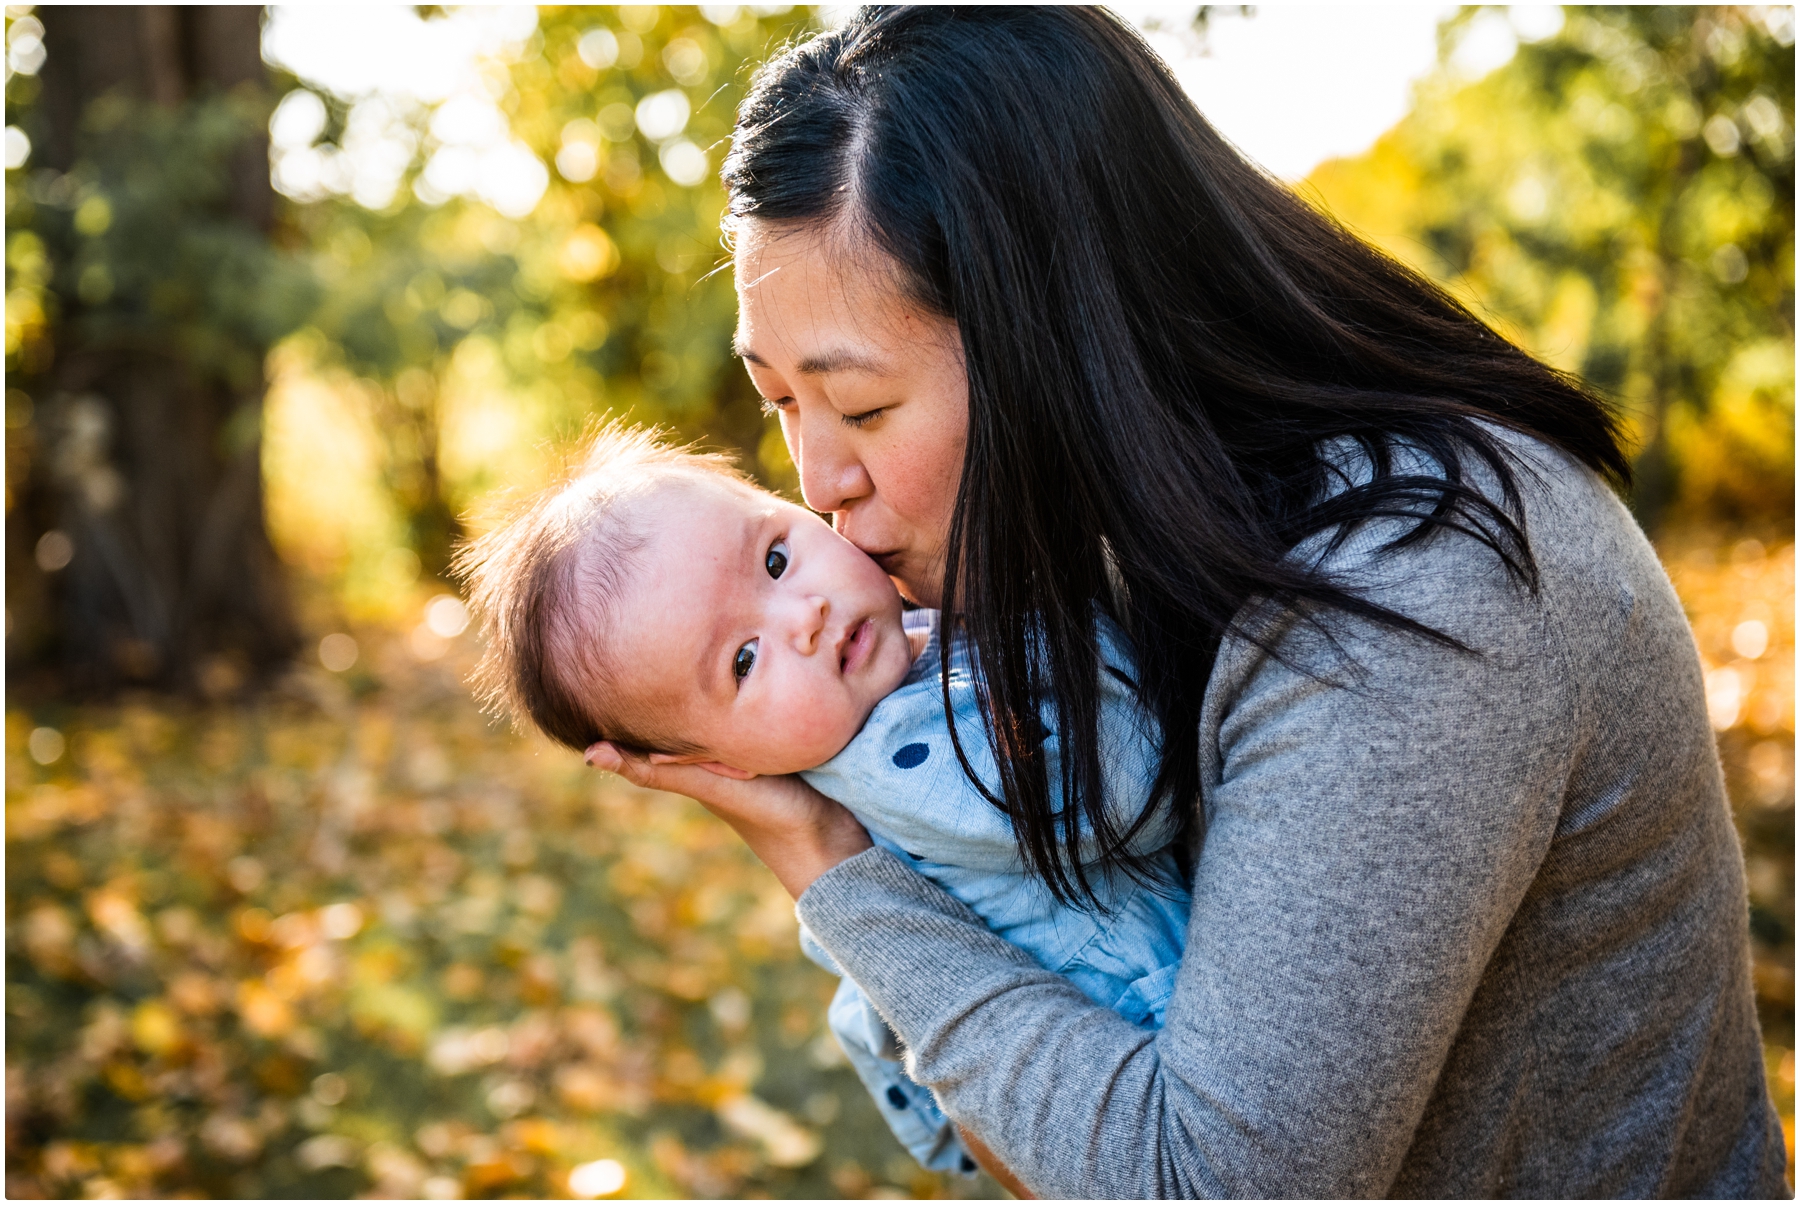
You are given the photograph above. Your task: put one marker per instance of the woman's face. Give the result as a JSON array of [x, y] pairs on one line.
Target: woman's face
[[870, 391]]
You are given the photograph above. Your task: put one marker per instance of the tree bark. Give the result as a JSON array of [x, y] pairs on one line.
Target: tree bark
[[147, 455]]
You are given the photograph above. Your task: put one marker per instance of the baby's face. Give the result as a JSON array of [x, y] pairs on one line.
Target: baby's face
[[752, 629]]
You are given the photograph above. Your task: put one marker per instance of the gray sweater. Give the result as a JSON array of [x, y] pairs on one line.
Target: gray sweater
[[1463, 925]]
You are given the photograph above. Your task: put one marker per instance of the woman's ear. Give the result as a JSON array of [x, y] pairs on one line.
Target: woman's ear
[[699, 759]]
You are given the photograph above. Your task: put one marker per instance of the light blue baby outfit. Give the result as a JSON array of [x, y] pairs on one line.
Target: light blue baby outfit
[[901, 778]]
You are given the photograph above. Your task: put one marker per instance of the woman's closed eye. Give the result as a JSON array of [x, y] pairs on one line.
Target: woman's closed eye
[[776, 559], [865, 418], [743, 662], [772, 406]]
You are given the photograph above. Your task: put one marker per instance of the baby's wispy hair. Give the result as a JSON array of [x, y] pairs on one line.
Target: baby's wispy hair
[[546, 582]]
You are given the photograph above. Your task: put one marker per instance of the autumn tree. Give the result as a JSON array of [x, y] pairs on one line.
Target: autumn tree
[[142, 226], [550, 233]]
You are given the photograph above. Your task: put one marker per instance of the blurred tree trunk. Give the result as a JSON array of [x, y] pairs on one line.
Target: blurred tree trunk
[[150, 454]]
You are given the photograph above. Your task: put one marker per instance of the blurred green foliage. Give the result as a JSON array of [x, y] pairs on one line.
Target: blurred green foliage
[[144, 293], [136, 234], [101, 234], [605, 298], [1619, 198]]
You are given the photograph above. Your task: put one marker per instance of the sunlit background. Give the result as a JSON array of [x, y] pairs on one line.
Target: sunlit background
[[294, 297]]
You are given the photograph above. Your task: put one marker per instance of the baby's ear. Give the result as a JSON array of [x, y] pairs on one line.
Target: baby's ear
[[699, 759]]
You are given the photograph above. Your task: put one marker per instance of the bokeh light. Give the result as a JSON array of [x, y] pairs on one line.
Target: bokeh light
[[600, 1178]]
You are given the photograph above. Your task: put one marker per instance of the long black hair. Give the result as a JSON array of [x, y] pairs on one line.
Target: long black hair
[[1160, 341]]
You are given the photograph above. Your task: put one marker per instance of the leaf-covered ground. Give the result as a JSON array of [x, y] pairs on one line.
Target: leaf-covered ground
[[350, 939]]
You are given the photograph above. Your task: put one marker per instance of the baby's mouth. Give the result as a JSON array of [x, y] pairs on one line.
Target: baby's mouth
[[855, 647]]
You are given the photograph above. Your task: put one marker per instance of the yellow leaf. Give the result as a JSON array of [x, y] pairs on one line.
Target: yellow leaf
[[263, 1011], [155, 1028]]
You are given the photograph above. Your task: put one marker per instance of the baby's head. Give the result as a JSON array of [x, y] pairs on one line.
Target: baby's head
[[659, 600]]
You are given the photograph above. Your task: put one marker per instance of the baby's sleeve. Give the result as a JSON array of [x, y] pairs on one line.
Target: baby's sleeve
[[816, 953], [909, 1108]]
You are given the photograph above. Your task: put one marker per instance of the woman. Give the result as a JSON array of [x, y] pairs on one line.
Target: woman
[[1469, 915]]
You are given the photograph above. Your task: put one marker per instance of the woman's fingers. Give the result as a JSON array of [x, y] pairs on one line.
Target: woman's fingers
[[603, 755], [723, 795], [993, 1167], [640, 771]]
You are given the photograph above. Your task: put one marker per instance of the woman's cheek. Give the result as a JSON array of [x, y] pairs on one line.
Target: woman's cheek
[[926, 469], [924, 494]]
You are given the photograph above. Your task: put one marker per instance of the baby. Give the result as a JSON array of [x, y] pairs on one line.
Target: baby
[[661, 601]]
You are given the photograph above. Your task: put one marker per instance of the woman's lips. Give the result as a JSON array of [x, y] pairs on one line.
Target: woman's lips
[[855, 650]]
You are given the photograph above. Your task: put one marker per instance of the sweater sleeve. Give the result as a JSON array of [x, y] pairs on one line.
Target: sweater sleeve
[[1377, 805]]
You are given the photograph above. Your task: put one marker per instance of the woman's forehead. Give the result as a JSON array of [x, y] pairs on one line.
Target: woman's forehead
[[814, 334], [801, 285]]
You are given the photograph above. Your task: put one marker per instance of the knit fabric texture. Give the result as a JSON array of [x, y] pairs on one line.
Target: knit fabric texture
[[1467, 924]]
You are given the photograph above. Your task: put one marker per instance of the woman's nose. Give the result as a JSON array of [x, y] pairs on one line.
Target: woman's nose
[[831, 476]]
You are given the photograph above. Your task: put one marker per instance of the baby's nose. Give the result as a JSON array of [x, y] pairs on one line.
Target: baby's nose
[[811, 629]]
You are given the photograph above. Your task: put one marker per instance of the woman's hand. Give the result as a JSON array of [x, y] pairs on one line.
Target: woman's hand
[[797, 832]]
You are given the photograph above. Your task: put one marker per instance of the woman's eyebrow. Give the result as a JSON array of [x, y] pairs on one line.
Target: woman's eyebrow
[[841, 360], [837, 360]]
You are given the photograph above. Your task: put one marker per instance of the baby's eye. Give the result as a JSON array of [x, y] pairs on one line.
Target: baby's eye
[[745, 660], [777, 560]]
